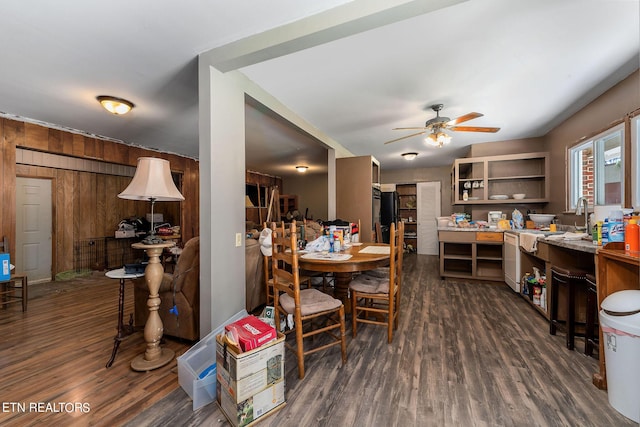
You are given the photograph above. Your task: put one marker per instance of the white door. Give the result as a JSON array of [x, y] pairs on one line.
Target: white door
[[33, 228], [428, 204]]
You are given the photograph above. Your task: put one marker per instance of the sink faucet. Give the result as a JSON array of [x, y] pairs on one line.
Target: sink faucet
[[579, 208]]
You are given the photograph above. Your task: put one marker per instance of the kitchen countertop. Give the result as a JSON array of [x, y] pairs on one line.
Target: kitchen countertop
[[494, 230], [577, 245]]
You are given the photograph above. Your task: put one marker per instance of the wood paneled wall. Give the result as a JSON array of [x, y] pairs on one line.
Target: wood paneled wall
[[85, 204]]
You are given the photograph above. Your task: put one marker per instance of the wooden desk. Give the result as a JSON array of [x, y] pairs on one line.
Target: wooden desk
[[343, 270], [616, 271]]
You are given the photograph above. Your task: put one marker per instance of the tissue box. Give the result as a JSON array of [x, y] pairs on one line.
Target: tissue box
[[5, 267]]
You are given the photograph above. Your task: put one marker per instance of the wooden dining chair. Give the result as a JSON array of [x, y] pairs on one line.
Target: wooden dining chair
[[375, 295], [10, 291], [266, 262], [313, 311], [268, 278]]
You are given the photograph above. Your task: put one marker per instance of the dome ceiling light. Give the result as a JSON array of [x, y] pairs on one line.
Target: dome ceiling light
[[117, 106]]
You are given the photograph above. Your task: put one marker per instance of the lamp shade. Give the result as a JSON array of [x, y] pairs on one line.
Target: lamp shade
[[152, 180]]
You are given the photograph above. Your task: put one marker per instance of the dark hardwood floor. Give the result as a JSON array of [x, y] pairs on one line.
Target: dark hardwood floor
[[465, 354]]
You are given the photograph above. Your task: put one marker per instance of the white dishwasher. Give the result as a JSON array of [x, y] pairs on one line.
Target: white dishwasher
[[512, 260]]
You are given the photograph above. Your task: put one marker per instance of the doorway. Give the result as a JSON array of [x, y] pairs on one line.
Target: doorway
[[428, 203], [34, 228]]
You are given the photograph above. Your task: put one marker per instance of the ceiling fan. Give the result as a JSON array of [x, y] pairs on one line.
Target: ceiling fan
[[436, 126]]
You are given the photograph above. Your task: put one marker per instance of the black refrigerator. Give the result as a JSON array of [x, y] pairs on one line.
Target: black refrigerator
[[388, 212]]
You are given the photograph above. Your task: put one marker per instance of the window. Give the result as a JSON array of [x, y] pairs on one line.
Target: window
[[597, 169]]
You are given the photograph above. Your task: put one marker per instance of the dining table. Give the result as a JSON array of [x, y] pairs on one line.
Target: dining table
[[352, 259]]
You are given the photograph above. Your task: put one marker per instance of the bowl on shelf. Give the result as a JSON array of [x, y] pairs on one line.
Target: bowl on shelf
[[542, 219], [518, 196]]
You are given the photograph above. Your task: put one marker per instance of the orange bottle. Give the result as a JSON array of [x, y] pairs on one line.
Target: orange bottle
[[632, 236]]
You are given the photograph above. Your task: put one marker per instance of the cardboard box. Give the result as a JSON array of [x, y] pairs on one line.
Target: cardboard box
[[250, 384], [252, 332], [254, 408], [195, 361]]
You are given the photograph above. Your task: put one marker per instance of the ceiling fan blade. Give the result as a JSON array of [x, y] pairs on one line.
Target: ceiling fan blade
[[464, 118], [474, 129], [421, 127], [405, 137]]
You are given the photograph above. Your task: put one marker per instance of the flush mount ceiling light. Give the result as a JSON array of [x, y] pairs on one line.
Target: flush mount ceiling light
[[302, 168], [117, 106], [438, 139], [409, 156]]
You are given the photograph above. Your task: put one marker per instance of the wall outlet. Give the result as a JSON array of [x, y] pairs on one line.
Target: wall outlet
[[238, 240]]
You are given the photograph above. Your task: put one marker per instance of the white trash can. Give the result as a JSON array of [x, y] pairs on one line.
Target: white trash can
[[620, 325]]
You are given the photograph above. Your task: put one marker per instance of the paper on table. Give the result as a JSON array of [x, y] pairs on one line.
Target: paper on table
[[375, 250], [327, 257]]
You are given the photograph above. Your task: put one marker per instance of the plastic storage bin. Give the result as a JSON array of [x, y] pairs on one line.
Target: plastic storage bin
[[198, 359], [620, 324]]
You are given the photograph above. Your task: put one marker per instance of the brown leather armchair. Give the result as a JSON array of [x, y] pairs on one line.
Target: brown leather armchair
[[186, 282]]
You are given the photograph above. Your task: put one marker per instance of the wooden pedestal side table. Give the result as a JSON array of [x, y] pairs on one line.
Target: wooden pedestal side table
[[154, 357], [123, 330]]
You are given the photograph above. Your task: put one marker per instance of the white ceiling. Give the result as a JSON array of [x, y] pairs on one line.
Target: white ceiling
[[352, 69]]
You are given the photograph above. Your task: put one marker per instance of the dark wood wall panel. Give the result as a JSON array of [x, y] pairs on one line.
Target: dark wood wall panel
[[11, 133], [55, 140], [36, 137], [86, 204], [64, 228]]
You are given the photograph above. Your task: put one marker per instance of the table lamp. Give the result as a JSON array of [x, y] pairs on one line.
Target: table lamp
[[152, 181]]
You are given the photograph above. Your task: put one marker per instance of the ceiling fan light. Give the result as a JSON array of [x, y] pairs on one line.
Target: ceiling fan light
[[117, 106], [438, 139], [443, 138], [302, 168], [409, 156]]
